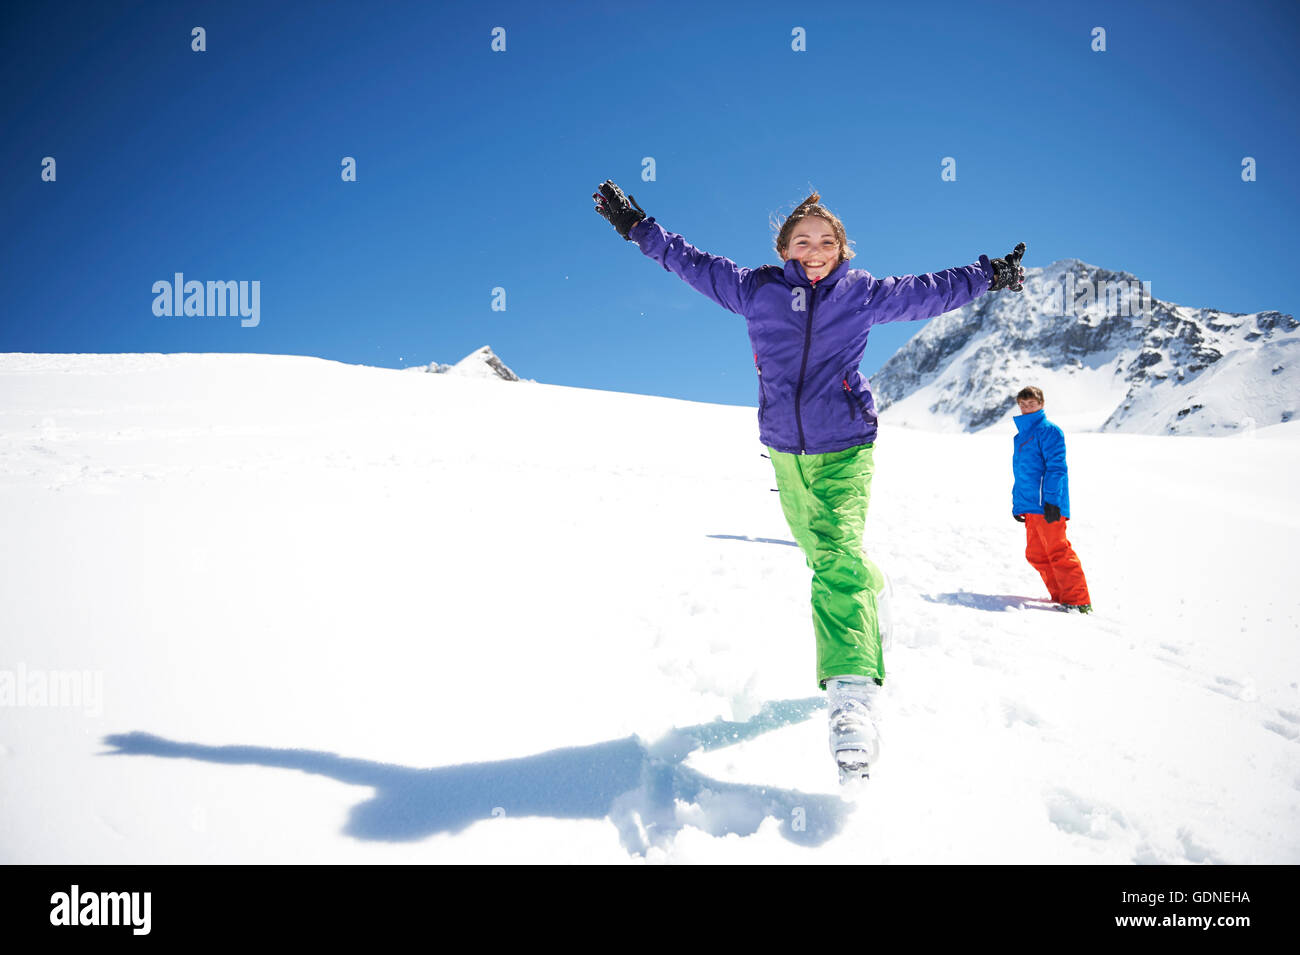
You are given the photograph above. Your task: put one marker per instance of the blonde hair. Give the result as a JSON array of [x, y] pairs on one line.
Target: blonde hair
[[812, 207]]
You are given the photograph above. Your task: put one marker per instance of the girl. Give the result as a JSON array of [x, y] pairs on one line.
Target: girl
[[808, 324]]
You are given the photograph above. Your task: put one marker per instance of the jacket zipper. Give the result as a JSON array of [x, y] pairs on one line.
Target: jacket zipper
[[803, 368], [1020, 446], [856, 404], [762, 392]]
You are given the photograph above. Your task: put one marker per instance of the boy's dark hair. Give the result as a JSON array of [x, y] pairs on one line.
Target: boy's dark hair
[[1029, 391], [812, 207]]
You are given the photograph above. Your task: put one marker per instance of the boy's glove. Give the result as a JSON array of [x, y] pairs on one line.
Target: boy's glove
[[1008, 272], [1051, 513], [616, 207], [1019, 517]]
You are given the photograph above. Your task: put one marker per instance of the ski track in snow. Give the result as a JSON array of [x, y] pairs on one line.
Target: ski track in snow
[[347, 614]]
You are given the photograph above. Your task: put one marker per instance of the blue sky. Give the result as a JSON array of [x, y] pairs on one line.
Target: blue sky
[[475, 168]]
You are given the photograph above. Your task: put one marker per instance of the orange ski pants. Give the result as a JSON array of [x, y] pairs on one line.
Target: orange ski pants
[[1050, 553]]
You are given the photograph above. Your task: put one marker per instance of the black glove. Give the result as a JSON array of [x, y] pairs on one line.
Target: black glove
[[618, 208], [1008, 272], [1019, 517], [1051, 513]]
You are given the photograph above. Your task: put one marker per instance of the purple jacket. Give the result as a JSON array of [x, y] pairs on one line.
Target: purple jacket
[[808, 341]]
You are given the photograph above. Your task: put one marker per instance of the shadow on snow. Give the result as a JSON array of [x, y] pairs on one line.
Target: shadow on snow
[[752, 540], [1000, 602], [637, 785]]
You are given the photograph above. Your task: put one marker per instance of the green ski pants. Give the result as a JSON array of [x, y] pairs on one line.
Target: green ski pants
[[825, 497]]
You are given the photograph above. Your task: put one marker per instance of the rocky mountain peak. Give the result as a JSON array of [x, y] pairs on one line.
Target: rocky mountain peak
[[1122, 359]]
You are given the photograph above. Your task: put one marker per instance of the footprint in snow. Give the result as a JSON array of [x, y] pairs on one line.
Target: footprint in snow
[[1079, 816], [1175, 652], [1194, 851], [1244, 690], [1013, 712], [1288, 730]]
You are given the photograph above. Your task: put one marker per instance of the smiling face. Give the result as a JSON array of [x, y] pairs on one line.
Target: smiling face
[[813, 244], [1029, 405]]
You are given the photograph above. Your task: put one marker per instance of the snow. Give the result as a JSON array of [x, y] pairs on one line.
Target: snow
[[345, 614], [1228, 395]]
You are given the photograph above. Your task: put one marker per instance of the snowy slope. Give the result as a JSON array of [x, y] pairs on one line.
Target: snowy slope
[[346, 614], [1246, 389], [1108, 354], [480, 363]]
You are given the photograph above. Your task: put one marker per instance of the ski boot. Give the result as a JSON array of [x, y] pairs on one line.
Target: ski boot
[[855, 744]]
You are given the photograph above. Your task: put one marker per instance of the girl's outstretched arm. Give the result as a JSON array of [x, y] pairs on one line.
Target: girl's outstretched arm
[[713, 275], [719, 278], [907, 298]]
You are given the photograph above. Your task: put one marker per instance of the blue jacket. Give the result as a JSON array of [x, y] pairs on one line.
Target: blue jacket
[[1039, 466], [808, 339]]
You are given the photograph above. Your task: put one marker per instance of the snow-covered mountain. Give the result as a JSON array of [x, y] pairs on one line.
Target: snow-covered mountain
[[275, 609], [480, 363], [1108, 355]]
